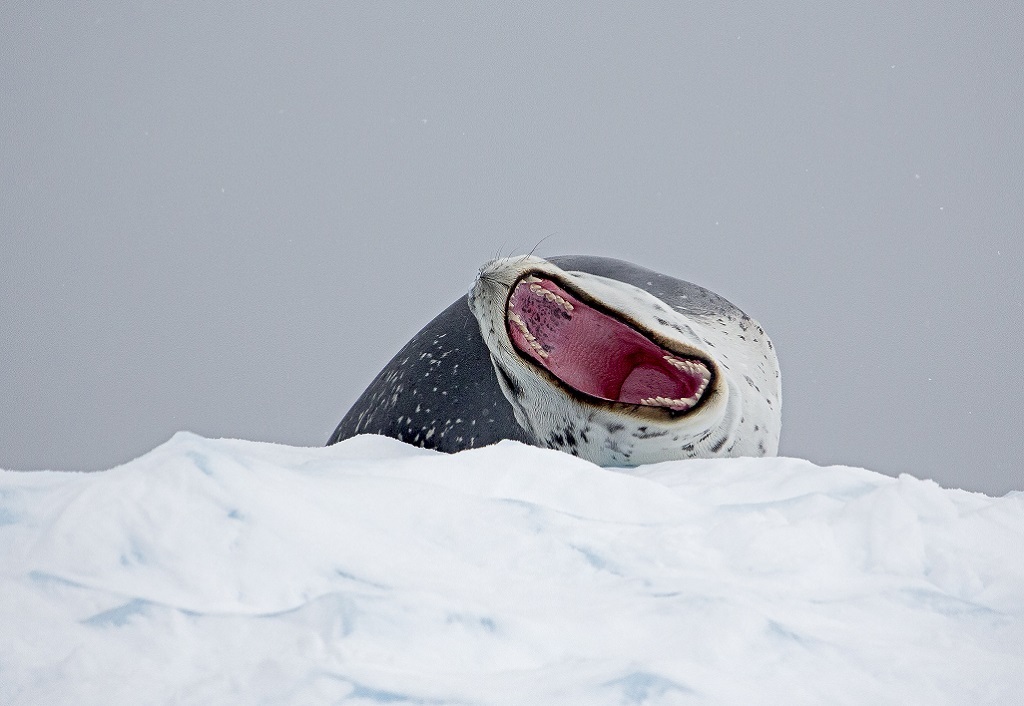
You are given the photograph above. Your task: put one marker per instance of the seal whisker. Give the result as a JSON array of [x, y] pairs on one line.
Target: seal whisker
[[539, 242]]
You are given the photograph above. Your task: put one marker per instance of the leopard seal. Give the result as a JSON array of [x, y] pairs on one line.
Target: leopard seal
[[594, 356]]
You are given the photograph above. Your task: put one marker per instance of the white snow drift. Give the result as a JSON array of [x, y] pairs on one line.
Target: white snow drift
[[234, 572]]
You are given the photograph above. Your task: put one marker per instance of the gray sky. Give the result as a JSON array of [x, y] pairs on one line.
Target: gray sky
[[228, 220]]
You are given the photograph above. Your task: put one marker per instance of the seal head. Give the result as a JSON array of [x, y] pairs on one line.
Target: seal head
[[607, 371]]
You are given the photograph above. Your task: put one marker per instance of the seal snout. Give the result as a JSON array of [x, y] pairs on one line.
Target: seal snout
[[596, 353]]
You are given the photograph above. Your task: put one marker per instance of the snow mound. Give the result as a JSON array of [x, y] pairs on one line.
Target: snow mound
[[236, 572]]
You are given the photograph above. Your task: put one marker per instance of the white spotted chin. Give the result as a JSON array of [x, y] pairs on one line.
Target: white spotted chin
[[597, 354]]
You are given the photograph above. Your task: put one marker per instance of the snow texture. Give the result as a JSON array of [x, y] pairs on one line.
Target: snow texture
[[371, 572]]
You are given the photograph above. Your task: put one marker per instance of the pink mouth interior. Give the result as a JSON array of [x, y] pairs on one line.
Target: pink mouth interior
[[597, 354]]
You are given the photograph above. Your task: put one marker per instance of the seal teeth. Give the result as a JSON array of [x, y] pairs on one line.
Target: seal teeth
[[514, 318], [530, 338], [550, 296], [681, 402], [693, 367], [690, 366]]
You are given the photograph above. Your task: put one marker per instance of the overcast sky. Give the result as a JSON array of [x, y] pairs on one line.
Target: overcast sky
[[228, 220]]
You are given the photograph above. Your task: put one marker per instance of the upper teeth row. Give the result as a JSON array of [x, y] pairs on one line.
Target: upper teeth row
[[550, 296], [690, 366]]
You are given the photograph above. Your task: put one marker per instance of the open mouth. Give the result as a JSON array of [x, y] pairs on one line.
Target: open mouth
[[596, 354]]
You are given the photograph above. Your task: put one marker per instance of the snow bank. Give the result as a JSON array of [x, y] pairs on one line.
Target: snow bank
[[234, 572]]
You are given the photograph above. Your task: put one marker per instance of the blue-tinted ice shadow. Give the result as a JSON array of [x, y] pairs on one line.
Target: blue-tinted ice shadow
[[473, 621], [116, 617], [43, 577], [638, 687], [380, 696], [945, 604], [780, 631], [596, 560], [200, 461]]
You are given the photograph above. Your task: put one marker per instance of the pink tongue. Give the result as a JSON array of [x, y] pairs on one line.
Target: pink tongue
[[590, 351]]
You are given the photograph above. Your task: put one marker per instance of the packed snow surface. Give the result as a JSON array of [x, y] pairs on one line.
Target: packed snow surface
[[235, 572]]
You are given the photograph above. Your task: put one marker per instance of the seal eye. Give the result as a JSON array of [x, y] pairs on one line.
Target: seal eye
[[597, 354]]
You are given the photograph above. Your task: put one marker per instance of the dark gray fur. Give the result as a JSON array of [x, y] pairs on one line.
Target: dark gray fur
[[443, 381]]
